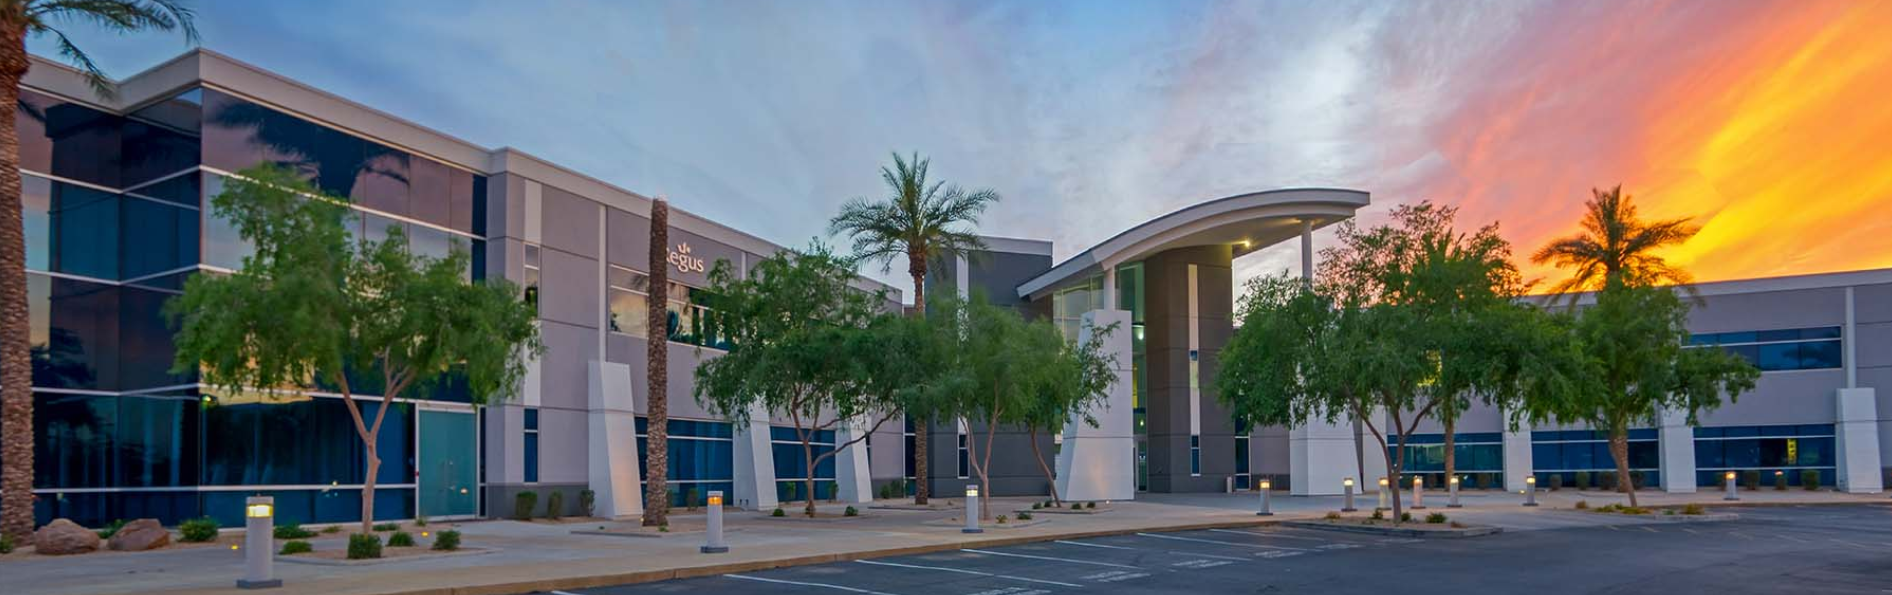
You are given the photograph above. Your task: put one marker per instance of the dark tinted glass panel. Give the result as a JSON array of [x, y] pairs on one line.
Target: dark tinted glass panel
[[429, 191], [374, 228], [478, 224], [158, 238], [532, 419], [1738, 337], [1820, 354], [74, 448], [157, 441], [1824, 332], [36, 205], [310, 441], [84, 225], [162, 139], [68, 140], [427, 241], [382, 183], [145, 345], [222, 245], [239, 134], [1779, 356], [98, 509], [460, 199], [1777, 335], [312, 506], [184, 190], [74, 333], [532, 457]]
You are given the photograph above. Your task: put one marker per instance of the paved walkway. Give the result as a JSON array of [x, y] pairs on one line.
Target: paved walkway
[[540, 556]]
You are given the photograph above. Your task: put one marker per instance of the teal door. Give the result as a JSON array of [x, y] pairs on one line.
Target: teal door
[[448, 477]]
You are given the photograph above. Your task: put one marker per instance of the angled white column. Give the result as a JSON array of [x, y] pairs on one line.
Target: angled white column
[[1856, 438], [755, 462], [853, 483], [1677, 440], [611, 470], [1321, 455], [1517, 457], [1100, 463]]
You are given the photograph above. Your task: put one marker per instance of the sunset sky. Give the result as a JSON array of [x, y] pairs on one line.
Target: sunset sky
[[1768, 122]]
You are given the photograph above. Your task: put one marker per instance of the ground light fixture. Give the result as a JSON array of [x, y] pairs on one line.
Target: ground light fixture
[[972, 510], [1418, 493], [1730, 483], [1385, 495], [1346, 486], [1265, 486], [259, 572], [1530, 491], [1452, 485], [713, 531]]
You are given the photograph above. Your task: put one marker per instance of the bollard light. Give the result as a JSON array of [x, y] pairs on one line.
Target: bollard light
[[1265, 486], [259, 571], [713, 543], [1346, 485], [1385, 494], [1418, 493], [1530, 491], [1731, 493], [972, 510], [1453, 486]]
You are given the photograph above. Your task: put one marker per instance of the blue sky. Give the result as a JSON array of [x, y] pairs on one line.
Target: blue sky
[[1088, 117]]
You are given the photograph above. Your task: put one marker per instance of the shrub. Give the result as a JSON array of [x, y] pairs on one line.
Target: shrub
[[111, 529], [1090, 505], [1001, 519], [1435, 518], [1379, 515], [587, 501], [387, 526], [664, 528], [778, 512], [1636, 480], [420, 520], [1692, 509], [6, 544], [1668, 512], [554, 505], [198, 530], [1780, 481], [1582, 505], [1484, 481], [1051, 504], [1556, 481], [689, 497], [1810, 479], [1750, 480], [1607, 481], [1458, 525], [293, 531], [1405, 517], [400, 539], [1024, 516], [1583, 480], [1333, 516], [794, 490], [332, 529], [364, 546], [850, 512], [523, 503], [447, 541], [296, 547]]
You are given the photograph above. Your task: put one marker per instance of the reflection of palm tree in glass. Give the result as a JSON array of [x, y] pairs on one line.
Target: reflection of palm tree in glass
[[60, 361], [335, 161]]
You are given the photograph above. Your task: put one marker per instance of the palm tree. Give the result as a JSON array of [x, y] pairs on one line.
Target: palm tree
[[19, 19], [1615, 245], [922, 221], [657, 362]]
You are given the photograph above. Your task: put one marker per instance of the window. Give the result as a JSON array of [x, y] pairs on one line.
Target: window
[[701, 458], [252, 440], [688, 321], [1195, 455], [1472, 452], [532, 275], [791, 463], [628, 293], [1814, 348], [965, 458], [532, 446], [1242, 471], [1787, 448], [1566, 452]]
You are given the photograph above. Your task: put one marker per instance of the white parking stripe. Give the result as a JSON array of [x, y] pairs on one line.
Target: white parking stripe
[[799, 583], [964, 571], [1267, 534], [1097, 545], [1050, 558], [1255, 545], [1210, 556]]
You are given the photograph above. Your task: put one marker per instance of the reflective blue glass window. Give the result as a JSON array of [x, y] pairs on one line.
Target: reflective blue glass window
[[74, 448], [73, 332], [70, 229], [158, 238], [162, 139], [185, 190], [430, 187], [308, 441], [222, 245], [146, 348], [68, 140], [157, 441]]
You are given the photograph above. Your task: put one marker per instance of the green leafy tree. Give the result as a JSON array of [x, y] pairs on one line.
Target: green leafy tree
[[809, 350], [312, 309], [1071, 384], [1636, 365], [923, 221], [1615, 241], [20, 19]]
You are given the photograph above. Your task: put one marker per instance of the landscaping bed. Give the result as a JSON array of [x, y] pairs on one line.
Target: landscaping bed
[[1419, 527], [1010, 523], [339, 556], [1067, 508], [937, 504], [689, 527], [1688, 513]]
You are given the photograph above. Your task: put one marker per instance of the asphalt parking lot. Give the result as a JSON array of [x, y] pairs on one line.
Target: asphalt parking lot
[[1814, 549]]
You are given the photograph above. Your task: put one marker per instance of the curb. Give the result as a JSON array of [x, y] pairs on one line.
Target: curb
[[646, 576], [1396, 532], [379, 561]]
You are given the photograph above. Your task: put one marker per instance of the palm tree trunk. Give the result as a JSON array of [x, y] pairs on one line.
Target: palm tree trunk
[[16, 365], [1619, 450], [657, 365], [922, 484], [1051, 479]]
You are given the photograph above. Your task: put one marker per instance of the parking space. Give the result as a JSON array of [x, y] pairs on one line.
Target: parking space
[[1824, 549]]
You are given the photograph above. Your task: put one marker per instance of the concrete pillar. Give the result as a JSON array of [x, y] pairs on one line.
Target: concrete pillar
[[1320, 455], [1307, 250], [1099, 463], [854, 483], [1856, 438], [755, 462], [611, 422], [1677, 440], [1517, 457]]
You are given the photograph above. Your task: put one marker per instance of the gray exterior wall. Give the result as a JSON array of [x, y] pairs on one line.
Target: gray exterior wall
[[1166, 343]]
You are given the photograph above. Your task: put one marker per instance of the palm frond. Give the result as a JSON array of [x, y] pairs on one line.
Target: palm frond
[[119, 16]]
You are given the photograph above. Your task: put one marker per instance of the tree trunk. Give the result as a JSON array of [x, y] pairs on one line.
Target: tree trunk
[[1051, 479], [808, 451], [367, 487], [657, 366], [16, 365], [922, 484], [1451, 456], [1619, 450], [1393, 466]]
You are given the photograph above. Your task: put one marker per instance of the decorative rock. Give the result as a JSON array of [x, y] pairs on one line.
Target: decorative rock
[[63, 537], [140, 535]]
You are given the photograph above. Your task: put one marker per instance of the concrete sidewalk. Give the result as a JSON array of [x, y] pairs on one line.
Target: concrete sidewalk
[[543, 557]]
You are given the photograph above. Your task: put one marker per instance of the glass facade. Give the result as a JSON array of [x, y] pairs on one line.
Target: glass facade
[[689, 321], [1788, 448], [791, 463], [1566, 452], [1814, 348], [701, 456], [1472, 452]]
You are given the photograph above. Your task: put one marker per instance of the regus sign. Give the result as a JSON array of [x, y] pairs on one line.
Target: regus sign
[[681, 259]]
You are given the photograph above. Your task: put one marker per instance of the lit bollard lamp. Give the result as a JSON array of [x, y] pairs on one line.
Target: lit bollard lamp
[[1530, 491], [972, 510], [1385, 495], [714, 542], [1347, 486], [259, 559], [1418, 493], [1265, 486], [1731, 495], [1452, 485]]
